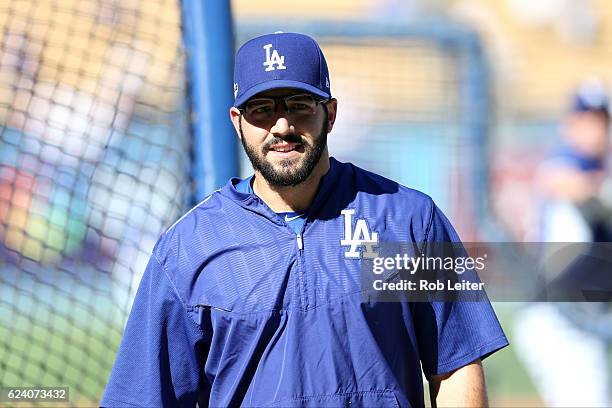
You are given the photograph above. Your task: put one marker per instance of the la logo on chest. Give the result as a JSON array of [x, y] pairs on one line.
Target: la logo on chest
[[273, 59], [360, 237]]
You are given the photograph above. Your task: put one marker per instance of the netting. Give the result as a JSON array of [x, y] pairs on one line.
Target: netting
[[94, 164], [403, 109]]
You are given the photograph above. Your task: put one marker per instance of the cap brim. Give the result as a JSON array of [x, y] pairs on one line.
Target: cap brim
[[276, 84]]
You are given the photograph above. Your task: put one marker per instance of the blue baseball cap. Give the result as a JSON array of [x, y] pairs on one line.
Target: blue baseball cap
[[280, 60], [591, 96]]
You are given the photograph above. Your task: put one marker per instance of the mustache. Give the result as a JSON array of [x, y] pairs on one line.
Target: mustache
[[292, 138]]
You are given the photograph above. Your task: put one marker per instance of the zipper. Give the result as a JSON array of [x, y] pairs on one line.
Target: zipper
[[201, 306], [299, 238], [300, 241]]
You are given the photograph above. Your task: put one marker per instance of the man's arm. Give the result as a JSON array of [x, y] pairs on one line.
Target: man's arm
[[464, 387], [161, 357]]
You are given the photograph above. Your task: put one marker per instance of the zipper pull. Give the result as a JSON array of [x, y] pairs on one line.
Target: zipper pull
[[300, 242]]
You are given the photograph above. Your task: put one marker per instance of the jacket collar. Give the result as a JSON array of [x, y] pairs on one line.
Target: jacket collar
[[251, 202]]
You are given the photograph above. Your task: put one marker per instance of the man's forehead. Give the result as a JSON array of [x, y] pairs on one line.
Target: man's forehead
[[274, 93]]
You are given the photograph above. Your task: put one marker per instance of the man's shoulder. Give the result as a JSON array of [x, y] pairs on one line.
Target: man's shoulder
[[195, 222], [378, 187], [187, 242], [209, 206]]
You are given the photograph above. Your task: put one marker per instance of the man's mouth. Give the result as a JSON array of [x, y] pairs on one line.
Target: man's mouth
[[284, 147]]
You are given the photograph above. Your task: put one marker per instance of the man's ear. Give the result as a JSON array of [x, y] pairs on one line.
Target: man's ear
[[332, 108], [235, 117]]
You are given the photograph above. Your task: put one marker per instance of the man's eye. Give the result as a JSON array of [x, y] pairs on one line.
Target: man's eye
[[262, 109], [300, 107]]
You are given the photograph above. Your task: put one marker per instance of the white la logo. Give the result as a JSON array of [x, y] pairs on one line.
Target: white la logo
[[273, 59], [361, 237]]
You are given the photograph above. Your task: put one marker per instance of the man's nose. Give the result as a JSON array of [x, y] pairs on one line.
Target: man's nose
[[282, 125]]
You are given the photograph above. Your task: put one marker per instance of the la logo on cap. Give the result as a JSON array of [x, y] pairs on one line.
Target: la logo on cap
[[273, 59]]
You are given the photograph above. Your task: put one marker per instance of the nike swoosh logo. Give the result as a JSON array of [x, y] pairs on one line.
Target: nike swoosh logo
[[287, 219]]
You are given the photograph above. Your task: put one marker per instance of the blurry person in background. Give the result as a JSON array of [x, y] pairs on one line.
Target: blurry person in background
[[571, 180], [567, 361]]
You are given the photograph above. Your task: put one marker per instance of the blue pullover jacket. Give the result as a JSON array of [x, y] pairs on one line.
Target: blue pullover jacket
[[236, 309]]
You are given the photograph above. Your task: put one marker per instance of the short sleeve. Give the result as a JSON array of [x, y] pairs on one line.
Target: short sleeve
[[451, 334], [160, 359]]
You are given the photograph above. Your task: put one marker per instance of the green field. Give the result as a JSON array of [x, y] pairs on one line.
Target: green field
[[57, 331]]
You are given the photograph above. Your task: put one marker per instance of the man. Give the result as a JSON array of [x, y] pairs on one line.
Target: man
[[573, 208], [253, 298]]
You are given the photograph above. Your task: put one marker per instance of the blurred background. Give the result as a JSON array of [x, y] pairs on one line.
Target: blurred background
[[105, 141]]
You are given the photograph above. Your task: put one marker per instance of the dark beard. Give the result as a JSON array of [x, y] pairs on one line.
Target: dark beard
[[287, 176]]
